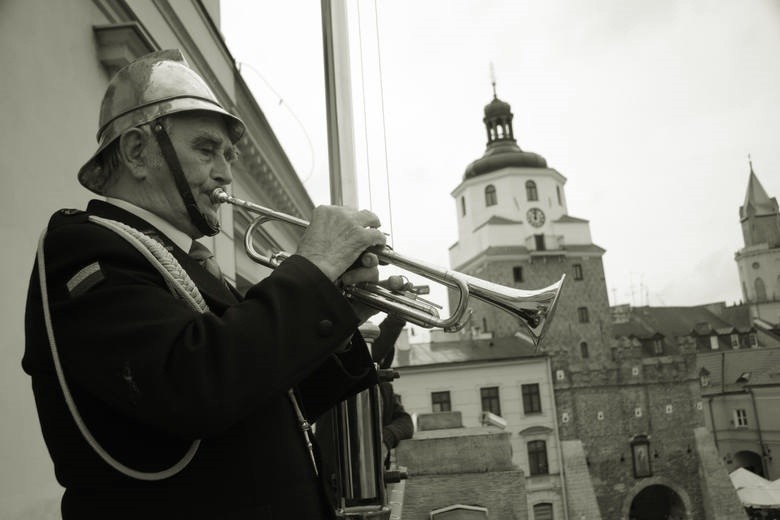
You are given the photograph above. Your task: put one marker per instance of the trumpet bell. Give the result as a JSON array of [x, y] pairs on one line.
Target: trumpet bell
[[534, 308]]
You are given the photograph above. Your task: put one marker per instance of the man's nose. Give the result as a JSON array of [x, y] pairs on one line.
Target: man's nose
[[222, 171]]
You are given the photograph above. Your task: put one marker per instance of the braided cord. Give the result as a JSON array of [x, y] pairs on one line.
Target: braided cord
[[178, 282]]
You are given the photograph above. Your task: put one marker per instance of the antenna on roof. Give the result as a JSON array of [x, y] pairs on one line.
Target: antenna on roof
[[493, 79]]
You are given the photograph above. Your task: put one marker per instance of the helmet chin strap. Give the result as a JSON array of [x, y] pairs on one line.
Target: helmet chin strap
[[169, 154]]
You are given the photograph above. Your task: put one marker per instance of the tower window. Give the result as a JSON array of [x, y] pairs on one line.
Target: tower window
[[517, 273], [490, 195], [530, 191], [440, 401], [463, 206], [760, 290], [582, 314], [543, 511], [577, 271], [539, 240], [584, 350], [490, 400], [537, 457], [558, 192], [532, 403]]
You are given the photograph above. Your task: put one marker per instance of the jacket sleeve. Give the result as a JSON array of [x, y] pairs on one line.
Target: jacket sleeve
[[396, 422], [129, 342]]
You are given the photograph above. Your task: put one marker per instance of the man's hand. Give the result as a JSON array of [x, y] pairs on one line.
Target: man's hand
[[337, 237]]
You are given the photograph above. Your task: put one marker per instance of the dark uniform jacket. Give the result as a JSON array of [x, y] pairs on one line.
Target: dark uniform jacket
[[149, 374]]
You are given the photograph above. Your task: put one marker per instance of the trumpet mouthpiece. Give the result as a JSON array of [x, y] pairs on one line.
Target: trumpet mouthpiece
[[219, 196]]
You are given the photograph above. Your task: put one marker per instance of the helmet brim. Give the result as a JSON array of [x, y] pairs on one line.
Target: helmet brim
[[93, 175]]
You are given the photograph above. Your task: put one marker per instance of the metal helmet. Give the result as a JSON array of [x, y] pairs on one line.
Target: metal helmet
[[154, 85]]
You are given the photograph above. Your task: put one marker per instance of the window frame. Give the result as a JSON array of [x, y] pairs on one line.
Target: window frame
[[490, 399], [532, 398], [583, 316], [538, 462], [491, 196], [531, 191], [740, 418], [578, 274], [435, 402]]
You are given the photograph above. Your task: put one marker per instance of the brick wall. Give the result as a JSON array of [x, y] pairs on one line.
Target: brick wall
[[471, 466]]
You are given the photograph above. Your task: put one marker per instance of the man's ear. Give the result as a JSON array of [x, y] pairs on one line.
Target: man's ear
[[132, 144]]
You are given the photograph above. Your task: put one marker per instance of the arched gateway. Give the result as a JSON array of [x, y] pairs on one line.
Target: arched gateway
[[657, 499]]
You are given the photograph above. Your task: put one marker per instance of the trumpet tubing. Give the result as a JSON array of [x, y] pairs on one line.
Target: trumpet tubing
[[534, 308]]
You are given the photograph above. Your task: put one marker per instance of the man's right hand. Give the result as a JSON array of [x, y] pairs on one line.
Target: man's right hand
[[337, 237]]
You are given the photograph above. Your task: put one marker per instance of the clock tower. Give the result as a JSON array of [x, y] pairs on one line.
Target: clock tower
[[514, 228]]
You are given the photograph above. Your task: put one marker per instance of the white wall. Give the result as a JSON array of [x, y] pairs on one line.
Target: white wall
[[464, 383]]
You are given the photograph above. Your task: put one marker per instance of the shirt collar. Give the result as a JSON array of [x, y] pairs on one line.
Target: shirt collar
[[178, 237]]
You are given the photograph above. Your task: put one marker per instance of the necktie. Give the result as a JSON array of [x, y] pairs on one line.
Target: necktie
[[205, 257]]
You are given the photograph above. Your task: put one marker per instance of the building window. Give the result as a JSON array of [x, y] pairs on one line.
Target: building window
[[577, 271], [558, 192], [517, 273], [440, 401], [537, 457], [714, 343], [490, 401], [582, 314], [752, 340], [530, 191], [584, 350], [735, 341], [531, 401], [463, 206], [543, 511], [658, 347], [613, 353], [539, 240], [760, 290], [490, 195], [740, 418]]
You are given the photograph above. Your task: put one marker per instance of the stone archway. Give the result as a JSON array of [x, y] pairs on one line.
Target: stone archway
[[657, 498], [749, 460]]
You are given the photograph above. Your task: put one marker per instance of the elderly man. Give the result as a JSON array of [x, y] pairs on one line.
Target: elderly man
[[161, 392]]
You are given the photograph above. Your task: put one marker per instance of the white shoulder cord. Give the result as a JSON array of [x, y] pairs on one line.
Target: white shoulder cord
[[179, 283]]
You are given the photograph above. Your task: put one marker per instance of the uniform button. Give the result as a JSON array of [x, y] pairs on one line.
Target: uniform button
[[325, 328]]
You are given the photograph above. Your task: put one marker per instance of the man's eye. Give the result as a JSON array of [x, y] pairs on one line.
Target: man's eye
[[206, 151]]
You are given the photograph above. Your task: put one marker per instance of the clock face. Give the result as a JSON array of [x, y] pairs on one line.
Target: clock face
[[535, 217]]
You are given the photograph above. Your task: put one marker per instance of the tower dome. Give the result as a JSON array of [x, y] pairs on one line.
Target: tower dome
[[502, 150]]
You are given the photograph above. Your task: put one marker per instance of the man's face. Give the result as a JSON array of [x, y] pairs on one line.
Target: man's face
[[205, 153]]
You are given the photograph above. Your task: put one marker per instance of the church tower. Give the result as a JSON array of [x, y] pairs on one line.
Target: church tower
[[514, 228], [759, 261]]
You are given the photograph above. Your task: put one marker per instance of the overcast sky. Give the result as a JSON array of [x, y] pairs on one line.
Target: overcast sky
[[649, 109]]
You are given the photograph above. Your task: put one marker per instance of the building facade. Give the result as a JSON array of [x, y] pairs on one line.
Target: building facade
[[504, 378], [58, 58], [741, 390]]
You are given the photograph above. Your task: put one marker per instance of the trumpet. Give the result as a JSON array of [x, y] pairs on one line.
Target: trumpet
[[534, 309]]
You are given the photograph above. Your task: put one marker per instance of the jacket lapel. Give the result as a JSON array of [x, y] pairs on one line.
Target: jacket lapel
[[217, 294]]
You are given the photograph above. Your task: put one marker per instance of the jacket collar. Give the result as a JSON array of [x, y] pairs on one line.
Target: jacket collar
[[216, 292]]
